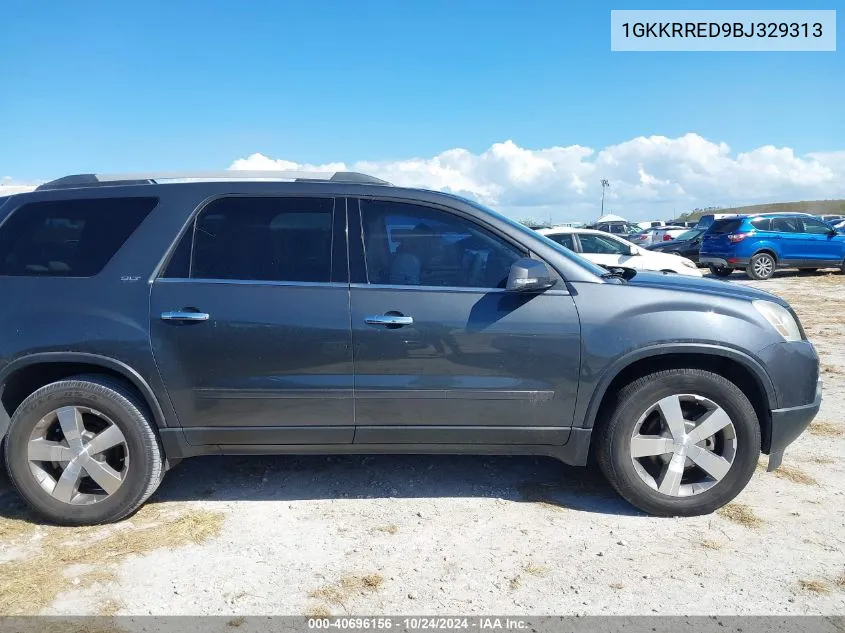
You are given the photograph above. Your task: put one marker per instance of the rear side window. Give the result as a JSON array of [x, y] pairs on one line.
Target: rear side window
[[258, 239], [68, 238], [787, 225], [725, 226], [564, 239], [762, 224]]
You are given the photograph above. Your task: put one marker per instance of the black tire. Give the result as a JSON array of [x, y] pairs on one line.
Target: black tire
[[613, 441], [762, 266], [145, 467], [721, 271]]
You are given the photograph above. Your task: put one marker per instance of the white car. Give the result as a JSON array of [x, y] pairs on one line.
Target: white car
[[609, 250], [655, 235]]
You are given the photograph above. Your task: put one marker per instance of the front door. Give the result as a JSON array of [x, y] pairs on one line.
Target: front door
[[250, 324], [443, 354], [790, 235], [818, 245]]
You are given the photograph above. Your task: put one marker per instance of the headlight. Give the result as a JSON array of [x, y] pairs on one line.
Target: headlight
[[780, 318], [688, 263]]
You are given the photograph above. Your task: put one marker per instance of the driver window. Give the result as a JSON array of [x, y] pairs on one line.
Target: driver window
[[599, 244], [816, 227], [414, 245]]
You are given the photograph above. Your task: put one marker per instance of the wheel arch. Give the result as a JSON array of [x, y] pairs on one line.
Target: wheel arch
[[769, 250], [25, 375], [738, 367]]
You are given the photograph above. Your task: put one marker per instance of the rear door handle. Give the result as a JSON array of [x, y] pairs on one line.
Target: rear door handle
[[389, 320], [185, 316]]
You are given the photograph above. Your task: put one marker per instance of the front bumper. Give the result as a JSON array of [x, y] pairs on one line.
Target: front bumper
[[788, 424]]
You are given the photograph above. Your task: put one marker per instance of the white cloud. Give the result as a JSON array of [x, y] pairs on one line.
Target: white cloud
[[9, 186], [651, 177]]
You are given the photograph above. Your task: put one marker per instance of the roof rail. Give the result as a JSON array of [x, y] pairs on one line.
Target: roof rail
[[148, 178]]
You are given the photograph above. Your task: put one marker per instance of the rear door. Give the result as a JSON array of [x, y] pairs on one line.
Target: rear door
[[443, 354], [789, 231], [250, 323]]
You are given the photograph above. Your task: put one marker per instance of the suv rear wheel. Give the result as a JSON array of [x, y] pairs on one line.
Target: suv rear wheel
[[761, 266], [680, 442], [83, 451]]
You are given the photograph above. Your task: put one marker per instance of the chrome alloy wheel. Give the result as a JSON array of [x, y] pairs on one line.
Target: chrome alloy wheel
[[763, 266], [78, 455], [683, 445]]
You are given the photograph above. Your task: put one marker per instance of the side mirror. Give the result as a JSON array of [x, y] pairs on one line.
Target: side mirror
[[635, 250], [529, 275], [833, 232]]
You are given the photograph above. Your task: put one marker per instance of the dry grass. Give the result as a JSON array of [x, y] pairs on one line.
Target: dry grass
[[795, 475], [826, 429], [535, 570], [828, 368], [110, 607], [29, 584], [348, 586], [742, 514], [617, 585], [840, 582], [318, 611], [710, 544], [814, 585], [515, 583], [236, 622], [387, 529]]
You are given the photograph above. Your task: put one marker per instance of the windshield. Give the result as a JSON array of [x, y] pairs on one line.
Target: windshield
[[593, 268]]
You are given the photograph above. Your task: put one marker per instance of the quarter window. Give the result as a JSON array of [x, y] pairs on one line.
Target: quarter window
[[259, 239], [68, 238], [762, 224], [407, 244]]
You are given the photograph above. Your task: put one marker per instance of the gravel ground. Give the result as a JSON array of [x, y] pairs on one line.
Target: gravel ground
[[458, 535]]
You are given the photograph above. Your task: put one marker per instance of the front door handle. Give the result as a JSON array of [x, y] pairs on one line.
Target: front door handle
[[389, 320], [185, 316]]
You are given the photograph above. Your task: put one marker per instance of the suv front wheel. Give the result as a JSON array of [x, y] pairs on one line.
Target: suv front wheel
[[680, 442], [83, 451]]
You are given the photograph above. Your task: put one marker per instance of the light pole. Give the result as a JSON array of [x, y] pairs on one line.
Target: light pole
[[605, 183]]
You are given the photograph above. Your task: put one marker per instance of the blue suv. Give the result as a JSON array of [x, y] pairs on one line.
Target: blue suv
[[762, 243]]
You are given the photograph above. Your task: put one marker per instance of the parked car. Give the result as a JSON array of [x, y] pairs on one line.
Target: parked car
[[612, 251], [615, 227], [687, 244], [830, 219], [839, 226], [655, 235], [762, 243], [708, 218], [218, 315]]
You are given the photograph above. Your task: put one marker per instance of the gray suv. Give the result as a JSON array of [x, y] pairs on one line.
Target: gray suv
[[147, 318]]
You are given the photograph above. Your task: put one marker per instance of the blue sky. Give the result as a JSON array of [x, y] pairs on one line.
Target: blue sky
[[107, 86]]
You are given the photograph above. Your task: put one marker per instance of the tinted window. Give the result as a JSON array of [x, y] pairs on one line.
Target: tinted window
[[263, 239], [601, 245], [408, 244], [564, 239], [725, 226], [787, 225], [816, 227], [762, 224], [68, 238]]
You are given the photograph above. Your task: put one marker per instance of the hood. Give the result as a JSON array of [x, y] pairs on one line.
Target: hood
[[718, 287]]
